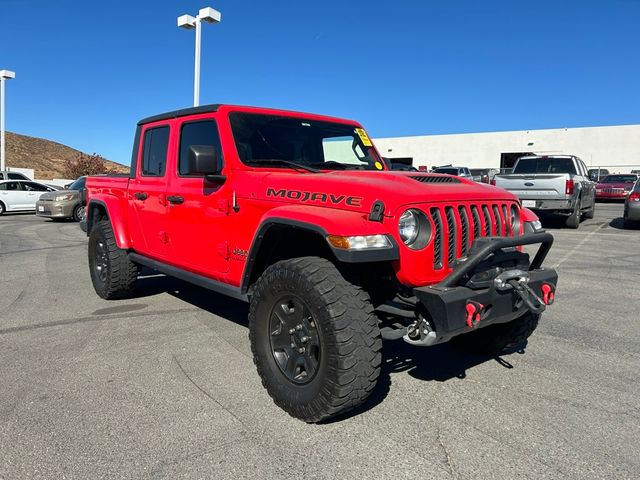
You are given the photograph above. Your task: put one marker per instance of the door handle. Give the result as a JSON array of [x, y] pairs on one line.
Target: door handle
[[141, 195], [175, 199]]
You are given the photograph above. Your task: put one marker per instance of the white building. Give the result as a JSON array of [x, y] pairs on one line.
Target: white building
[[614, 146]]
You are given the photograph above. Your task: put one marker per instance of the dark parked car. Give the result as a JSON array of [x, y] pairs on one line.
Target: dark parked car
[[632, 207], [596, 174], [483, 175]]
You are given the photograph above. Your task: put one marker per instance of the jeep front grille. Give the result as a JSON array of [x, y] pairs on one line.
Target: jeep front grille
[[456, 227]]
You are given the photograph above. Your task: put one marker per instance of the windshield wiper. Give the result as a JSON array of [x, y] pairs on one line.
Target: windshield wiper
[[267, 161], [333, 165]]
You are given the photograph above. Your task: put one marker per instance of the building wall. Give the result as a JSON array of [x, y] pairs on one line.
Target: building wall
[[597, 146]]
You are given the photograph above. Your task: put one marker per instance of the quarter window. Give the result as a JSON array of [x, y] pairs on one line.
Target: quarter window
[[154, 151], [197, 133]]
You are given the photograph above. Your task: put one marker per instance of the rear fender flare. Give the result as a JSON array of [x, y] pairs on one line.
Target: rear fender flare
[[115, 214]]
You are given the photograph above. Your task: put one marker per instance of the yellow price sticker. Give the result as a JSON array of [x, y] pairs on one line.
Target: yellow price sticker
[[364, 137], [378, 165]]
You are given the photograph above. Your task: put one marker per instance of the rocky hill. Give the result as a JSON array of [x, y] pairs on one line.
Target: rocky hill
[[44, 156]]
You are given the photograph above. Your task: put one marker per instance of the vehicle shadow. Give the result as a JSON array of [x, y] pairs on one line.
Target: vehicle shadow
[[439, 363]]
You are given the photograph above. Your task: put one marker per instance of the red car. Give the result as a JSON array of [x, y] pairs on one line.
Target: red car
[[615, 187]]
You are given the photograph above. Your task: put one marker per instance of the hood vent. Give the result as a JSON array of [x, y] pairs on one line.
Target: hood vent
[[436, 179]]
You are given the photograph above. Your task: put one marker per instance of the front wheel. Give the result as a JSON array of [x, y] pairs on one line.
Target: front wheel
[[2, 208], [315, 339], [494, 339], [78, 213], [573, 220], [591, 212], [112, 273]]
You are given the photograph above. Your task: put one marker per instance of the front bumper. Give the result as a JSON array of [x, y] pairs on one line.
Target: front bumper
[[446, 305], [55, 209]]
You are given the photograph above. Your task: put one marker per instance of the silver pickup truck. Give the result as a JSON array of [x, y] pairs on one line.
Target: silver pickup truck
[[557, 184]]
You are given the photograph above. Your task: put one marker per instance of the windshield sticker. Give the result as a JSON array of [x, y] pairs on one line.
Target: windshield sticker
[[364, 137]]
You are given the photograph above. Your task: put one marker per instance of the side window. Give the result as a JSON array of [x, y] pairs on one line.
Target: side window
[[34, 187], [154, 151], [197, 133], [15, 176], [13, 186]]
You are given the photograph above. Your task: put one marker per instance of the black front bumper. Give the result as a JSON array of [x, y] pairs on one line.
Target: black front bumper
[[446, 304]]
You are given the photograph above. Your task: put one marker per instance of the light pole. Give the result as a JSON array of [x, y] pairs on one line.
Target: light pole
[[188, 22], [4, 75]]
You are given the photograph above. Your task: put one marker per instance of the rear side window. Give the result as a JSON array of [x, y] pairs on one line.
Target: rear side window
[[16, 176], [545, 165], [10, 186], [154, 151], [197, 133]]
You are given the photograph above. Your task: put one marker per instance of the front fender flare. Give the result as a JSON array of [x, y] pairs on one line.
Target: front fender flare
[[322, 222]]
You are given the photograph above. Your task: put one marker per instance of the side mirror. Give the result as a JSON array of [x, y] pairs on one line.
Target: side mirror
[[204, 160]]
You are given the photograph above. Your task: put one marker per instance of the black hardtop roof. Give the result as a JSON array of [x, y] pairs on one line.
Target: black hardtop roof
[[183, 112]]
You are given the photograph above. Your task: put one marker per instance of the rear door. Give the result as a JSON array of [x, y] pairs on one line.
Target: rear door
[[13, 196], [147, 192], [33, 191], [199, 208]]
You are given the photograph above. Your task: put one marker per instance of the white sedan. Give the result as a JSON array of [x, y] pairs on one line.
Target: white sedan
[[20, 195]]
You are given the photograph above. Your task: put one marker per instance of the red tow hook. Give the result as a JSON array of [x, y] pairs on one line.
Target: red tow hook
[[548, 293], [474, 311]]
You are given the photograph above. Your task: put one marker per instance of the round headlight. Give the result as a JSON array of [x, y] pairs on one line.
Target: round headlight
[[408, 227], [515, 220], [414, 229]]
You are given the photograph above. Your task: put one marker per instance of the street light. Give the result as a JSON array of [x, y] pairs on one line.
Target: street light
[[188, 22], [4, 75]]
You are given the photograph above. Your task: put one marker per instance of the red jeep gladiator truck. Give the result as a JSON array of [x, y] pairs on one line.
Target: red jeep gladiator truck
[[299, 215]]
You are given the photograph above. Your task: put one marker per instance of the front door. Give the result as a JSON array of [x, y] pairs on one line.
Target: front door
[[147, 193], [198, 208]]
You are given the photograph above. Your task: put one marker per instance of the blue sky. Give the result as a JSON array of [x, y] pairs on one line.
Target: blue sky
[[87, 71]]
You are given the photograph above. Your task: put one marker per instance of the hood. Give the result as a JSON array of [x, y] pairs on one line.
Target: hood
[[615, 185], [58, 193], [357, 190]]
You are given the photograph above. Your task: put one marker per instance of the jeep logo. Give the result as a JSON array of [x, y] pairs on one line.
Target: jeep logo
[[315, 197]]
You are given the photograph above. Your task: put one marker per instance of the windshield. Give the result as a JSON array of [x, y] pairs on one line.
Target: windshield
[[619, 179], [450, 171], [273, 140], [78, 184], [545, 165]]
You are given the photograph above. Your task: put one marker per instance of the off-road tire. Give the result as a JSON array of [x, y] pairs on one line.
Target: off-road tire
[[119, 274], [78, 214], [350, 344], [591, 212], [2, 208], [573, 220], [494, 339]]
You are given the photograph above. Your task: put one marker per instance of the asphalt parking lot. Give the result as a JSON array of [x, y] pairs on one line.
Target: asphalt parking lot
[[163, 385]]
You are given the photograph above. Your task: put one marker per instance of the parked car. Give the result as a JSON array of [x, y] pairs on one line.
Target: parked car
[[64, 203], [636, 171], [595, 174], [555, 184], [20, 195], [631, 217], [483, 175], [451, 170], [10, 175], [616, 186], [314, 243]]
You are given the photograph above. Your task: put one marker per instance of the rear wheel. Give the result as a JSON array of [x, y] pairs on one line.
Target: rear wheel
[[315, 339], [494, 339], [112, 273], [2, 208]]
